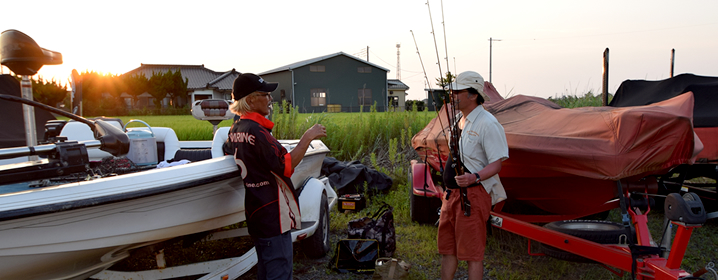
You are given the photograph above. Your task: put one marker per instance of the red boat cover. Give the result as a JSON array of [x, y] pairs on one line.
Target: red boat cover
[[594, 142]]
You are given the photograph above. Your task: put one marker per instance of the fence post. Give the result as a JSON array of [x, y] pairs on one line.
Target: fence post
[[673, 59], [604, 96]]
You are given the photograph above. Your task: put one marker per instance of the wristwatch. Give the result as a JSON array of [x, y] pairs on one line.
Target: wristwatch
[[478, 178]]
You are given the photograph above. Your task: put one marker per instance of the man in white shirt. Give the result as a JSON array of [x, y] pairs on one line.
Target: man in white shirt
[[482, 148]]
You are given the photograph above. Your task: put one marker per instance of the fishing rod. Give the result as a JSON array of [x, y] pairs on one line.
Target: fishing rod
[[426, 154], [448, 80], [446, 48], [436, 142], [457, 164], [422, 62], [447, 96]]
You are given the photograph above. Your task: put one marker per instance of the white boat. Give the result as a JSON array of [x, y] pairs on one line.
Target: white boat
[[77, 227], [74, 230]]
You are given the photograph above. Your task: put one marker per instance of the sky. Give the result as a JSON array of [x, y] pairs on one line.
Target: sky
[[544, 48]]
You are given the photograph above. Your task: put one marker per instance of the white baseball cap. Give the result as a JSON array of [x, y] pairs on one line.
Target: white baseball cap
[[469, 79]]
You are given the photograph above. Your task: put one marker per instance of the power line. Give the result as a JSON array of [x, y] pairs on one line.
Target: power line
[[391, 65]]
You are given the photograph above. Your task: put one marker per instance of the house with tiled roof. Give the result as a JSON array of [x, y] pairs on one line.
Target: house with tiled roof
[[397, 95], [202, 83], [332, 83]]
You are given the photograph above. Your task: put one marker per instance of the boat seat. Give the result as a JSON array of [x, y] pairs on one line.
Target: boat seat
[[167, 141], [220, 136], [192, 154]]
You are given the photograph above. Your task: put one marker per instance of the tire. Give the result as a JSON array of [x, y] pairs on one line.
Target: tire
[[317, 245], [424, 210], [602, 232], [597, 216]]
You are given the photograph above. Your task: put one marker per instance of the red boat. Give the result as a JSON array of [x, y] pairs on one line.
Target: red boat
[[569, 163], [564, 163]]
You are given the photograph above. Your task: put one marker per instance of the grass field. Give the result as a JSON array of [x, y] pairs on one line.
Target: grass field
[[382, 140]]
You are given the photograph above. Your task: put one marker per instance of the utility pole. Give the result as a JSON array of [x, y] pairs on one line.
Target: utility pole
[[398, 65], [491, 41], [367, 53]]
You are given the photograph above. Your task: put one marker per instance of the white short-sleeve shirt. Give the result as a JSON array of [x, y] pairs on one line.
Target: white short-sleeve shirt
[[482, 142]]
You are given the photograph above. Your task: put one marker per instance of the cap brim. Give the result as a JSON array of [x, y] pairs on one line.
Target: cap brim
[[268, 87], [454, 86]]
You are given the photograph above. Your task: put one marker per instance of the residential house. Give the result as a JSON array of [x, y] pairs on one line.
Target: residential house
[[202, 83], [397, 95], [331, 83]]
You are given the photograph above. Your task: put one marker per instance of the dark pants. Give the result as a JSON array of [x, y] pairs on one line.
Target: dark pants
[[274, 257]]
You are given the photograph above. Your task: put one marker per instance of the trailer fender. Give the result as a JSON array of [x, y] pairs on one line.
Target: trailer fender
[[310, 199], [420, 174]]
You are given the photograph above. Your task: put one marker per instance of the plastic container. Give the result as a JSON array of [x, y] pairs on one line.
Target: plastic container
[[143, 145]]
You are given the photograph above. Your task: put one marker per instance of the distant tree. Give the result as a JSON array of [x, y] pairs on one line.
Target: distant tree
[[177, 87], [135, 85], [159, 85], [114, 86], [92, 87], [411, 103], [101, 94], [444, 81], [48, 93]]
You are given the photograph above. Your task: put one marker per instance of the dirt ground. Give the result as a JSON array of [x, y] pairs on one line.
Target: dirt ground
[[308, 268]]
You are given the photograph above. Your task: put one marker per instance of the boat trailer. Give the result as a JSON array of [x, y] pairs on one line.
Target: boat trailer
[[640, 256]]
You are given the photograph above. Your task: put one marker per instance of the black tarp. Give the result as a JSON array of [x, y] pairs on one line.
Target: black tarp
[[349, 177], [12, 126], [642, 92]]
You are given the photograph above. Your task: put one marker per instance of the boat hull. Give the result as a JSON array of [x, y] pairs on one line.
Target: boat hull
[[110, 216], [63, 244]]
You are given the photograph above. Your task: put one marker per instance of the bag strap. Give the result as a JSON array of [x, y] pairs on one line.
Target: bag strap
[[385, 207], [392, 268]]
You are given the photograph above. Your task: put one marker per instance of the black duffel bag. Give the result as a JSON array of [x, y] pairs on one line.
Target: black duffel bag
[[379, 226]]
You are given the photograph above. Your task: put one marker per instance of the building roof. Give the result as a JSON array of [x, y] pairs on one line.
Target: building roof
[[317, 59], [396, 84], [198, 76]]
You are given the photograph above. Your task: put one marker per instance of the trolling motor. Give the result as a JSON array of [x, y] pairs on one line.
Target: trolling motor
[[63, 157], [25, 57]]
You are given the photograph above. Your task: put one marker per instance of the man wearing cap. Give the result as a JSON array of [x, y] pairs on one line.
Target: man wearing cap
[[271, 203], [482, 148]]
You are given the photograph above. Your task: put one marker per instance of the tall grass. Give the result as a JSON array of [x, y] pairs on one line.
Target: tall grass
[[381, 139], [587, 100]]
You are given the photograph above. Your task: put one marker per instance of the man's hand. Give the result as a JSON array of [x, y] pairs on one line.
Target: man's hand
[[316, 131], [465, 180]]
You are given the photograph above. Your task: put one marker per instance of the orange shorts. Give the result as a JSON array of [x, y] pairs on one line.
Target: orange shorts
[[459, 235]]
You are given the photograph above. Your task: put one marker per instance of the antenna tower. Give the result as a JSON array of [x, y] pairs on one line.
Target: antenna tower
[[398, 65]]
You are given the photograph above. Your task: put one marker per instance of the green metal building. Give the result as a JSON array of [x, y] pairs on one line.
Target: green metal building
[[333, 83]]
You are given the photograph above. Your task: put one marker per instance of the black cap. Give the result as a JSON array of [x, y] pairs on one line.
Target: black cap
[[248, 83]]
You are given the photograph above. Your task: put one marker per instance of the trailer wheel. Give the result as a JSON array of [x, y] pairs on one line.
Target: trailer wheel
[[317, 245], [424, 210], [602, 232]]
